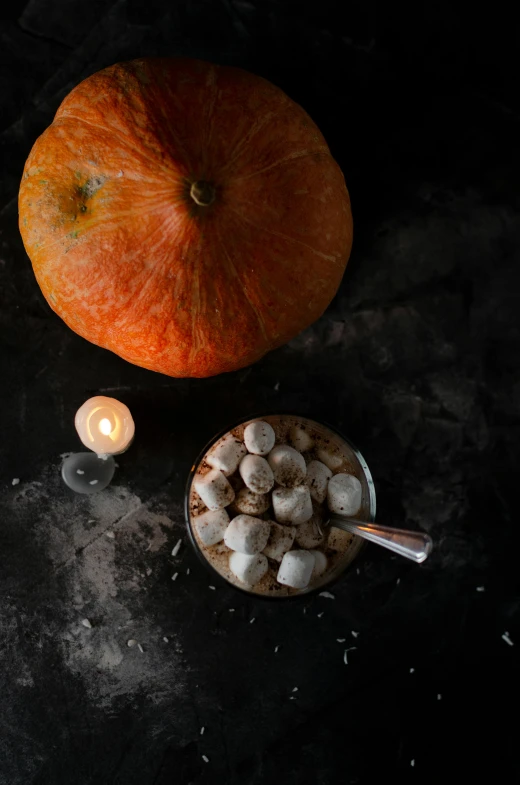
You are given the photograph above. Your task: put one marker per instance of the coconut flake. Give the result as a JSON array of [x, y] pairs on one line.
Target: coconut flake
[[276, 648], [251, 620], [507, 639], [212, 588], [15, 481], [327, 594], [202, 731], [86, 623], [345, 658], [188, 571], [481, 588], [174, 576], [319, 615], [80, 471], [354, 633], [439, 696], [341, 640], [176, 548], [165, 639], [110, 535], [93, 482], [412, 670], [205, 759], [140, 648], [231, 610], [131, 643], [295, 689], [412, 762]]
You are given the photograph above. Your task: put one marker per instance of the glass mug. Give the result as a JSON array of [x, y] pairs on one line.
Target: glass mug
[[341, 548]]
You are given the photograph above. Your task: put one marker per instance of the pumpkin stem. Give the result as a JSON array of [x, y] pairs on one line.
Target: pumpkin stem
[[202, 193]]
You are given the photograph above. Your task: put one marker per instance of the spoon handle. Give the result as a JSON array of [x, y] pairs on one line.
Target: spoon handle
[[413, 545]]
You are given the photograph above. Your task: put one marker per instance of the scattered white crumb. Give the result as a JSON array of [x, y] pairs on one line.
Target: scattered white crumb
[[412, 670], [398, 581], [188, 571], [165, 639], [231, 610], [277, 386], [174, 576], [507, 639], [80, 471], [354, 633], [251, 620], [140, 648], [110, 535], [295, 689], [481, 588], [202, 731], [276, 649], [86, 623], [439, 696], [341, 640], [327, 594], [412, 762], [205, 759], [176, 548], [131, 643], [345, 659], [319, 615], [15, 481], [93, 482], [212, 588]]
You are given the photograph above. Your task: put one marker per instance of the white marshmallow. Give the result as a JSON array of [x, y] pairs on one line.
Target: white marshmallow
[[344, 494], [292, 505], [248, 569], [280, 541], [310, 534], [226, 454], [211, 525], [256, 473], [296, 569], [252, 503], [318, 476], [288, 465], [301, 439], [246, 534], [320, 564], [259, 437], [214, 490], [330, 459]]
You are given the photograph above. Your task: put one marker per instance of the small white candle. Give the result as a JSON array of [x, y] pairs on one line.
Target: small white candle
[[105, 425]]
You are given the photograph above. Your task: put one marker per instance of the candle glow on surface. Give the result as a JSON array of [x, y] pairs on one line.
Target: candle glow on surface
[[105, 425]]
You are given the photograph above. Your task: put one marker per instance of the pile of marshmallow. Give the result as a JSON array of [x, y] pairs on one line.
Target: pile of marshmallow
[[276, 478]]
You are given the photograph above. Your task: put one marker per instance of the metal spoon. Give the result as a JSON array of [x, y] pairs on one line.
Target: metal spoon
[[416, 546]]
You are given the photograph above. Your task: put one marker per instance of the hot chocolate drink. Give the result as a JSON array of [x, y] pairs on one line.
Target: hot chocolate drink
[[260, 499]]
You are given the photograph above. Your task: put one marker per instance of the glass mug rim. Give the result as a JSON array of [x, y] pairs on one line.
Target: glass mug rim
[[193, 540]]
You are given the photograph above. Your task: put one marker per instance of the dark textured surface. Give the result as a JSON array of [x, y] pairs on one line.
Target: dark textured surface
[[416, 360]]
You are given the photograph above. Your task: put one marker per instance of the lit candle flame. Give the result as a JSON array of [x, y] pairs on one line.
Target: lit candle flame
[[105, 426]]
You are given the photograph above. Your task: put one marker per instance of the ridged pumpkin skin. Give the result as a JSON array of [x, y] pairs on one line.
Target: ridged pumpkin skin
[[182, 279]]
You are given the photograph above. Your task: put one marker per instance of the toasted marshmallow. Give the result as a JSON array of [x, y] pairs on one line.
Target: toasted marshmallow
[[318, 476], [344, 494], [300, 439], [251, 503], [292, 505], [246, 534], [211, 525], [248, 569], [214, 490], [330, 459], [280, 540], [256, 473], [259, 437], [296, 569], [226, 454], [288, 465]]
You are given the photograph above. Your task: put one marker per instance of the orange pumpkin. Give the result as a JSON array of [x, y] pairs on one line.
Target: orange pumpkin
[[187, 216]]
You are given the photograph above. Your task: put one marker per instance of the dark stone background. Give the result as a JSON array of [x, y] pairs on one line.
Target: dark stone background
[[416, 360]]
